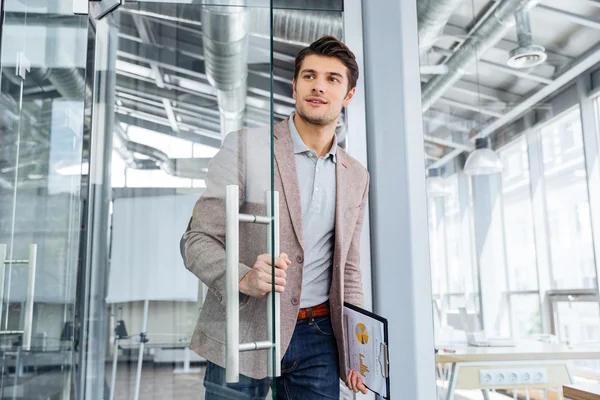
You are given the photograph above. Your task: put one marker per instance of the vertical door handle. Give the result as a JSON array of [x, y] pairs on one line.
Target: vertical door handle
[[233, 346], [28, 325]]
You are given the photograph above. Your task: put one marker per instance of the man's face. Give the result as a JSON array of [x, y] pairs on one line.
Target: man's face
[[321, 89]]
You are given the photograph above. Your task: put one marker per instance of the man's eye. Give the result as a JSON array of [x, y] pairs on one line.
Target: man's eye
[[334, 79]]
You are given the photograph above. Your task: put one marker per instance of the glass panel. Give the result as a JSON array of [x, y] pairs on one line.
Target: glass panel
[[526, 316], [569, 225], [187, 79], [518, 218], [43, 94]]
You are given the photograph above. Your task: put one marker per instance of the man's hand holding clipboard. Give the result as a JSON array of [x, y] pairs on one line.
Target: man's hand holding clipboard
[[366, 337]]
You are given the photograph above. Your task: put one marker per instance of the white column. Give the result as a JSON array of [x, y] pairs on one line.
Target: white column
[[399, 237]]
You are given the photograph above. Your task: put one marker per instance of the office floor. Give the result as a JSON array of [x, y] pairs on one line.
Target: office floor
[[158, 382]]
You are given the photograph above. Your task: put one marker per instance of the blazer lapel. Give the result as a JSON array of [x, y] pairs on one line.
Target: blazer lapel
[[286, 165]]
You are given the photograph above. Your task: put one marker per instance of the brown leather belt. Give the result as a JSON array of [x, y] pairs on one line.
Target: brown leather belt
[[317, 311]]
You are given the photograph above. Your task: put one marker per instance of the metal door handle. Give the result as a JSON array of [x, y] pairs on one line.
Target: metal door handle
[[32, 263], [28, 325], [233, 346]]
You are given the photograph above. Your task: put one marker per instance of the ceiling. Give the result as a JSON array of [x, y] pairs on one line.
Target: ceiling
[[488, 94], [164, 83]]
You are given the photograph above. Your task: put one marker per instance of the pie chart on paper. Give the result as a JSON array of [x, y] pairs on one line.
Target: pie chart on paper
[[361, 333]]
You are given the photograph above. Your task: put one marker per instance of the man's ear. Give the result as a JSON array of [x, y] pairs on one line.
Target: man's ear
[[294, 89], [349, 97]]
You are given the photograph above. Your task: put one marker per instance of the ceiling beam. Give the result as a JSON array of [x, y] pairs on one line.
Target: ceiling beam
[[472, 107], [577, 18], [485, 92]]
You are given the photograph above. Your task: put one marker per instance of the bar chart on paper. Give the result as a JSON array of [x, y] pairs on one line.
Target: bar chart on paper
[[366, 348]]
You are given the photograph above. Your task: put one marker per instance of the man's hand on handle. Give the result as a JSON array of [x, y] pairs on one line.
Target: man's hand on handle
[[354, 382], [258, 283]]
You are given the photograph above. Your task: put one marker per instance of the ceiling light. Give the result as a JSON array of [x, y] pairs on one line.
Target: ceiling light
[[483, 160], [436, 186], [527, 57]]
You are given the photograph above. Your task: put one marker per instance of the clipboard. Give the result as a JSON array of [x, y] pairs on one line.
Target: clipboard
[[357, 324]]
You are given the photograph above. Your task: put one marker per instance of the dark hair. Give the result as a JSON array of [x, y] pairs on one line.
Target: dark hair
[[329, 46]]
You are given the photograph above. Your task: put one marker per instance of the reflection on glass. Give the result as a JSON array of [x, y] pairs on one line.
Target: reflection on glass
[[42, 109]]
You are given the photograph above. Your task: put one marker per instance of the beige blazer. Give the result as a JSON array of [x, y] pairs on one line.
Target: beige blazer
[[244, 160]]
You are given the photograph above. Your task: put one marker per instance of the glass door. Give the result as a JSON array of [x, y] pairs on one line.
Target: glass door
[[43, 91], [181, 177], [199, 91]]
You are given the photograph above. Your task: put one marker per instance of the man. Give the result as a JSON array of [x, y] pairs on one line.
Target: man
[[323, 192]]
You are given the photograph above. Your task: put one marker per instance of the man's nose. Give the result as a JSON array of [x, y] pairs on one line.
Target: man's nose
[[319, 87]]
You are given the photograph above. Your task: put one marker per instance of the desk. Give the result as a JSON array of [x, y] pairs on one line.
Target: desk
[[581, 392], [484, 368]]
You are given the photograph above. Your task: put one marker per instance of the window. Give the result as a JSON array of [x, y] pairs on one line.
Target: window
[[518, 218], [567, 203]]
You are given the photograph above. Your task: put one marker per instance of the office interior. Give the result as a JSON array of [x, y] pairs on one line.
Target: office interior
[[112, 110]]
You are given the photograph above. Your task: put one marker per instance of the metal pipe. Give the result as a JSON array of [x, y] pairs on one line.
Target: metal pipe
[[433, 17], [120, 141], [28, 323], [225, 39], [273, 298], [232, 237], [490, 32], [524, 35]]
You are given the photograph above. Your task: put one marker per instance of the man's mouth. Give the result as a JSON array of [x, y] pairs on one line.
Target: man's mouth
[[316, 100]]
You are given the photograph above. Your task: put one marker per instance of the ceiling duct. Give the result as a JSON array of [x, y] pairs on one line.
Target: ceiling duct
[[527, 55], [225, 39], [485, 36], [433, 16], [297, 26]]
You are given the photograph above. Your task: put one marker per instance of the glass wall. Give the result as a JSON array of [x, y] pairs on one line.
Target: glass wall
[[185, 77], [43, 94], [496, 77]]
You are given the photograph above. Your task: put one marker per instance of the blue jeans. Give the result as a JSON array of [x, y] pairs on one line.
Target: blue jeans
[[309, 369]]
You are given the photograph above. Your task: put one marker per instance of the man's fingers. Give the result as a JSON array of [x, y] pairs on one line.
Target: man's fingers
[[265, 288], [286, 258], [361, 386], [355, 381], [265, 276], [280, 262]]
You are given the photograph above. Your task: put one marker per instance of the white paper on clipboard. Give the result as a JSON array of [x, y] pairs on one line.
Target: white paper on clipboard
[[366, 349]]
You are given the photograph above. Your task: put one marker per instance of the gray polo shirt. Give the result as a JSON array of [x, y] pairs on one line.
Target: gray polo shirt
[[316, 180]]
